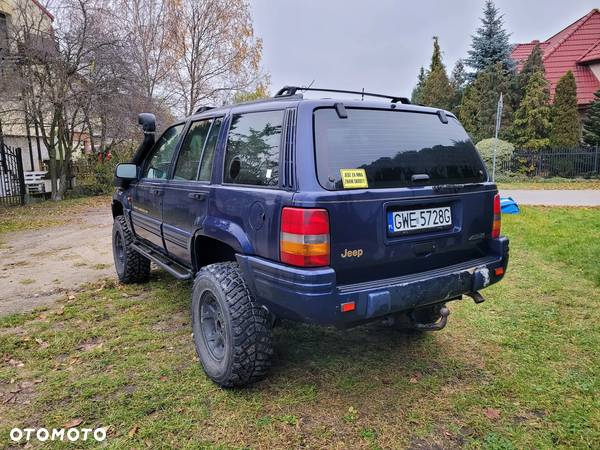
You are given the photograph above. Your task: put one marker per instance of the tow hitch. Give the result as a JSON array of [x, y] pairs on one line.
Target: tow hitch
[[434, 326], [410, 321]]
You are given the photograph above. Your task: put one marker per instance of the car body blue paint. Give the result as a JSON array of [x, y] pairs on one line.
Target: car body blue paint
[[393, 273]]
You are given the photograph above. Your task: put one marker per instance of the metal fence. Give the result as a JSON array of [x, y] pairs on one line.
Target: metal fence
[[12, 177], [567, 163]]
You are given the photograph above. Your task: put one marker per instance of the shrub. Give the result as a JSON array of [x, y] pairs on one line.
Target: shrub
[[504, 152], [95, 176]]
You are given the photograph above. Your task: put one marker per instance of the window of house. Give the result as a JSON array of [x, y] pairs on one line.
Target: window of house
[[252, 155], [3, 33]]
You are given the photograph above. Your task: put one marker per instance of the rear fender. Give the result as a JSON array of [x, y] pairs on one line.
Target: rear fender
[[228, 232]]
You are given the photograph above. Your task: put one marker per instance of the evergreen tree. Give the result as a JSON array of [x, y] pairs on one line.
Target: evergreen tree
[[490, 43], [531, 126], [458, 81], [437, 91], [416, 93], [565, 118], [477, 110], [591, 124], [534, 63]]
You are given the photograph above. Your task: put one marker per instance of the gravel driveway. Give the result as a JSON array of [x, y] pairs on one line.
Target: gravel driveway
[[37, 267]]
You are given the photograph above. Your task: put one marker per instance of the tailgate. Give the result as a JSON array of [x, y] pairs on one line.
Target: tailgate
[[406, 191], [363, 247]]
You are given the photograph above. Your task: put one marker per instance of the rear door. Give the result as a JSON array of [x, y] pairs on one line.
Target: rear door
[[405, 192], [188, 192], [147, 193]]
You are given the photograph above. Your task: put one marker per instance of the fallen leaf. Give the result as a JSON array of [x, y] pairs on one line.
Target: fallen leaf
[[15, 363], [413, 380], [71, 297], [73, 423], [42, 343], [163, 378], [133, 430], [492, 413]]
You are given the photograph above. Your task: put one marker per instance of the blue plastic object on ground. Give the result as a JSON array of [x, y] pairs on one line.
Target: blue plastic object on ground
[[509, 206]]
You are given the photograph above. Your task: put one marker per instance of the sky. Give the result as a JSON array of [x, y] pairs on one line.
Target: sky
[[379, 45]]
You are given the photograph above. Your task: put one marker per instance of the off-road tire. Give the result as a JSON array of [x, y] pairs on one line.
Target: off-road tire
[[245, 356], [131, 267]]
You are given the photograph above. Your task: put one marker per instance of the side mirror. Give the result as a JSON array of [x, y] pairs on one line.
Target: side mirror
[[148, 122], [126, 171]]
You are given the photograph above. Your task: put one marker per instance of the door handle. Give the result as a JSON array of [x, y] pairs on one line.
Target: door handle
[[156, 191], [197, 195]]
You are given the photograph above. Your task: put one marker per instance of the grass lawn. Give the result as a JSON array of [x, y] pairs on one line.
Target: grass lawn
[[518, 371], [45, 214]]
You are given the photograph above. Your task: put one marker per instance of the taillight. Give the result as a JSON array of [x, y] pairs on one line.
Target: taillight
[[304, 240], [497, 217]]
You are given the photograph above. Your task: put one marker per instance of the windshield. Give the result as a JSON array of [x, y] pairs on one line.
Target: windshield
[[386, 149]]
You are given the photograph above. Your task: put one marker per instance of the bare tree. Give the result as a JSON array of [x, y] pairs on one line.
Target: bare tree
[[103, 61], [147, 27], [215, 51]]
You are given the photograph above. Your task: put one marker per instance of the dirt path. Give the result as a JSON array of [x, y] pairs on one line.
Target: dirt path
[[37, 267]]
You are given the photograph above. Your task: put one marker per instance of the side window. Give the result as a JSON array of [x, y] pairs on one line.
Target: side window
[[209, 151], [191, 151], [159, 161], [252, 155]]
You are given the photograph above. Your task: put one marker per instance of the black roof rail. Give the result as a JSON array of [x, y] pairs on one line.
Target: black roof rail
[[203, 109], [288, 91]]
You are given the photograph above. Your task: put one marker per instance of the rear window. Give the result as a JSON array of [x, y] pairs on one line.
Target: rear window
[[389, 147]]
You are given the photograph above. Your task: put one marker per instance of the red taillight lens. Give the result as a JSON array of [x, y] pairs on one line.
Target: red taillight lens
[[304, 240], [497, 217]]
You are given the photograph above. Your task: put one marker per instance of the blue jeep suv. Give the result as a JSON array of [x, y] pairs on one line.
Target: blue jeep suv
[[336, 212]]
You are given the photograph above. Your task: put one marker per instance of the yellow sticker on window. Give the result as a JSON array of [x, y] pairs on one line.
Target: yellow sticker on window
[[354, 178]]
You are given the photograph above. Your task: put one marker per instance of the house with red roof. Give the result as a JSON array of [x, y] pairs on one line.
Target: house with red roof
[[576, 48]]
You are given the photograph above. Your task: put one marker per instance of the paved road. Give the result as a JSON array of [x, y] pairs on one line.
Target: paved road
[[584, 197]]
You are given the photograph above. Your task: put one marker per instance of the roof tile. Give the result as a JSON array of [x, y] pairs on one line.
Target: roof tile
[[570, 49]]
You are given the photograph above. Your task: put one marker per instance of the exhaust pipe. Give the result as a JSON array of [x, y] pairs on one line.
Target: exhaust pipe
[[476, 296]]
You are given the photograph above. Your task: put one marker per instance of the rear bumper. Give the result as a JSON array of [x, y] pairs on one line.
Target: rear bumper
[[312, 295]]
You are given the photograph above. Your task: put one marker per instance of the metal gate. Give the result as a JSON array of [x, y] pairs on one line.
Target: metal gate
[[12, 179]]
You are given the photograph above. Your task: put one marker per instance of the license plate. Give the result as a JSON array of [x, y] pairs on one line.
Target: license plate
[[419, 219]]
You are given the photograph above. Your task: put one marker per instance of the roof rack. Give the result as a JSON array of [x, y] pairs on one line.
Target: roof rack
[[203, 109], [288, 91]]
